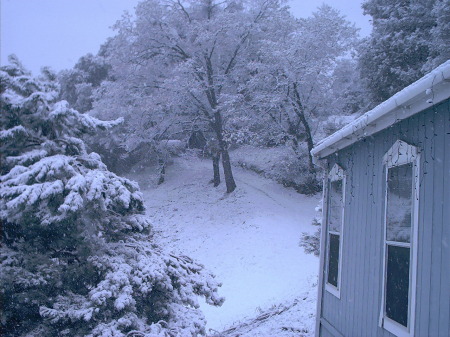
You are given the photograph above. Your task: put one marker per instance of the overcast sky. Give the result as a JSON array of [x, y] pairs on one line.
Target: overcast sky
[[57, 33]]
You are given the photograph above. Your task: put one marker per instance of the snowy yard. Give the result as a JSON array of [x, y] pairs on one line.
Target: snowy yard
[[249, 239], [266, 88]]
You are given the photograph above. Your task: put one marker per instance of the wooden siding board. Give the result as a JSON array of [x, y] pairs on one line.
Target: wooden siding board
[[378, 229], [436, 228], [324, 332], [367, 327], [445, 314], [438, 194], [443, 172], [328, 330], [363, 241], [346, 263], [354, 234], [424, 233], [350, 240], [367, 232], [377, 224], [334, 314], [348, 247], [372, 225], [446, 218], [346, 289], [354, 257], [355, 241], [364, 225]]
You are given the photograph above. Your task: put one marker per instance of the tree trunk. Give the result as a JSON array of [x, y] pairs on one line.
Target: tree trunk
[[217, 125], [229, 180], [311, 166], [226, 164], [216, 168], [309, 140], [162, 171]]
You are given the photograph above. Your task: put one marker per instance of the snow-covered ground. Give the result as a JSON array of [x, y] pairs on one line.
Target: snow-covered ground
[[249, 239]]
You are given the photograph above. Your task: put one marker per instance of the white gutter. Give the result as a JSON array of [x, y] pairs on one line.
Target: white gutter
[[422, 94]]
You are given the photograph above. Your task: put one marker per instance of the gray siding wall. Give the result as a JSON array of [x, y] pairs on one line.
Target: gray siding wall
[[357, 311]]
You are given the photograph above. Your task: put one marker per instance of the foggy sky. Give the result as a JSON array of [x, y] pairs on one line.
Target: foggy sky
[[57, 33]]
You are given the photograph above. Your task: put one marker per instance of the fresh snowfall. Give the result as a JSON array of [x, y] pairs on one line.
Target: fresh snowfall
[[166, 186], [249, 239]]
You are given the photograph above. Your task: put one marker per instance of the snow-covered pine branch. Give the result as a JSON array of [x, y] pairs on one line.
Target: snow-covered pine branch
[[77, 256]]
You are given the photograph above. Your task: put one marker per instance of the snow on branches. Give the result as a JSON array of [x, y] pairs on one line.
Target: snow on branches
[[76, 254]]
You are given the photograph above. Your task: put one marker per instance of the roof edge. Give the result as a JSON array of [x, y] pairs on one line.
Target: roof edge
[[420, 95]]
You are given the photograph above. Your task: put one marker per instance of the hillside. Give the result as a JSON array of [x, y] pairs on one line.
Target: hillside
[[249, 239]]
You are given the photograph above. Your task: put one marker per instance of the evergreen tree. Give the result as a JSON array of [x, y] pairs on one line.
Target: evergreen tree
[[78, 84], [403, 45], [440, 42], [76, 253], [349, 94]]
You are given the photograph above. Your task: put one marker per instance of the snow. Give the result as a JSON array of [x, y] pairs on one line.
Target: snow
[[276, 163], [293, 318], [13, 132], [249, 239]]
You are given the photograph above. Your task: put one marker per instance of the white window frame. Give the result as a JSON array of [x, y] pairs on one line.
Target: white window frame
[[399, 154], [336, 173]]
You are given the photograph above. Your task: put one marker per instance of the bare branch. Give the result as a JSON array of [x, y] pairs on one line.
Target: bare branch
[[184, 10], [201, 106]]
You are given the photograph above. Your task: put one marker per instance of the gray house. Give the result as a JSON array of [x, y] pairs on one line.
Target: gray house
[[385, 246]]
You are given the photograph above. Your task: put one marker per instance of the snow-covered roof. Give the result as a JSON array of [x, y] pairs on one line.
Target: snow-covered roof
[[422, 94]]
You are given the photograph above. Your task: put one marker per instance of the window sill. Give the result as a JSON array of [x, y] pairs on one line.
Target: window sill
[[396, 328], [333, 290]]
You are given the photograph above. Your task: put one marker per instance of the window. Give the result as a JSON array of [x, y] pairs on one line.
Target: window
[[335, 217], [400, 237]]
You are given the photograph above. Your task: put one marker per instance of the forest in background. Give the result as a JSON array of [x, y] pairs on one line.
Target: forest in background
[[77, 256], [248, 73]]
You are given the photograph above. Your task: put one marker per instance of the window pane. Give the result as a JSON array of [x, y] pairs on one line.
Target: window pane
[[397, 284], [399, 203], [333, 260], [336, 206]]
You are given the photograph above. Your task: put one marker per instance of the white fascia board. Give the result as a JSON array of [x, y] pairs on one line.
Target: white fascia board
[[422, 94]]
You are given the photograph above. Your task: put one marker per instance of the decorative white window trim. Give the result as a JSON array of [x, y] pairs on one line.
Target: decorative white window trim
[[332, 289], [402, 153], [336, 173]]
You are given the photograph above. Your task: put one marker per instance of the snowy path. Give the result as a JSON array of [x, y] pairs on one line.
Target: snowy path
[[249, 239]]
